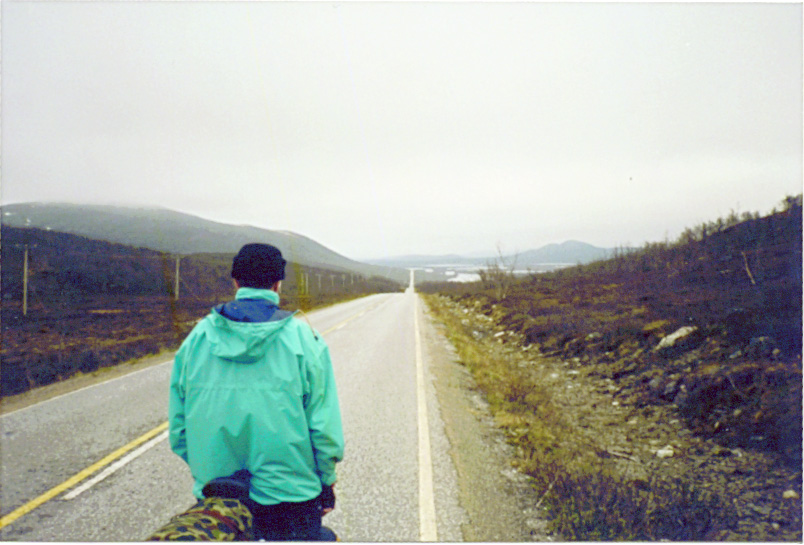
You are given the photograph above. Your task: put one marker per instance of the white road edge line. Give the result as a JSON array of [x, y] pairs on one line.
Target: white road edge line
[[428, 530], [115, 466]]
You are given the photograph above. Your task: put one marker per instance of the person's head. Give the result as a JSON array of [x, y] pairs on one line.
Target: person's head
[[258, 266]]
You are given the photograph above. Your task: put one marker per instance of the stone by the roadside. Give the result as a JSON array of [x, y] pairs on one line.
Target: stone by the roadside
[[666, 452], [682, 338], [670, 390]]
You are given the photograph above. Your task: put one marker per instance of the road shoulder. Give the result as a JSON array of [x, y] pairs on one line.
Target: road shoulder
[[497, 499]]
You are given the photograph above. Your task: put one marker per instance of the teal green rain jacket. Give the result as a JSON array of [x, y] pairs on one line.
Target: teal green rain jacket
[[258, 396]]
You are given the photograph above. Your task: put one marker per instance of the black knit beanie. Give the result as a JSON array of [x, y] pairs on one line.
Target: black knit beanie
[[258, 266]]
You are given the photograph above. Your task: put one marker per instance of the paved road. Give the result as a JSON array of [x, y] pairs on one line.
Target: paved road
[[394, 484]]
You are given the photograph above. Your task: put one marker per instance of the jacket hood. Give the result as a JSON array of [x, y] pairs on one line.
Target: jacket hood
[[243, 342]]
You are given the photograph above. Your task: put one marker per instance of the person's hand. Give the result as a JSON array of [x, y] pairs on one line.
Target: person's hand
[[327, 498]]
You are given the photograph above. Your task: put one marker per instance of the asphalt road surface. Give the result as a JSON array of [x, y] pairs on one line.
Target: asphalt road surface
[[95, 465]]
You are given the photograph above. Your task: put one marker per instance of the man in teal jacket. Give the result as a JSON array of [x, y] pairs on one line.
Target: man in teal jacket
[[253, 389]]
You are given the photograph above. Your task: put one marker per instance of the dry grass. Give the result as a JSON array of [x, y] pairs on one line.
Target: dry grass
[[587, 497]]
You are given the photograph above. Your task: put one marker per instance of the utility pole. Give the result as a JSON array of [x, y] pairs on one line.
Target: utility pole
[[25, 274], [25, 282], [177, 277]]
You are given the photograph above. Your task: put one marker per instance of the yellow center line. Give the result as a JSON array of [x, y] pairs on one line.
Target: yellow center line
[[349, 319], [83, 474], [341, 324], [78, 477]]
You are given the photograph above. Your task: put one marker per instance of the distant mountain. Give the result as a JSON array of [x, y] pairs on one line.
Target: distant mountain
[[570, 252], [173, 232]]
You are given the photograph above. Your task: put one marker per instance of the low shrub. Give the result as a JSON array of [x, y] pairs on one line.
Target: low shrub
[[592, 504], [750, 404]]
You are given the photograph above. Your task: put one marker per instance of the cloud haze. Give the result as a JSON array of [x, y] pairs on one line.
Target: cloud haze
[[389, 128]]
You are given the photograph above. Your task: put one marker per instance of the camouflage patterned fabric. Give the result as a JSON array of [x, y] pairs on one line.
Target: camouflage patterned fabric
[[212, 519]]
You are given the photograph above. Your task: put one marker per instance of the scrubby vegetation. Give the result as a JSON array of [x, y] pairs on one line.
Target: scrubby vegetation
[[699, 339], [92, 304]]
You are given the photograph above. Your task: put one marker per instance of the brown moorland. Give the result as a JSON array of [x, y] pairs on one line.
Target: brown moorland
[[93, 304], [655, 395]]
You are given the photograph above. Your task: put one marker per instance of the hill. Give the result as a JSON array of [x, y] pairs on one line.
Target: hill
[[655, 395], [571, 251], [171, 232]]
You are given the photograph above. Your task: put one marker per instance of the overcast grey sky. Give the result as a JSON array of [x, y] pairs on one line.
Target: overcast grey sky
[[383, 129]]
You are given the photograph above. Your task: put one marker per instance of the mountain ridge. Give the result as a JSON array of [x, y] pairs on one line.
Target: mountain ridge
[[165, 230], [169, 231]]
